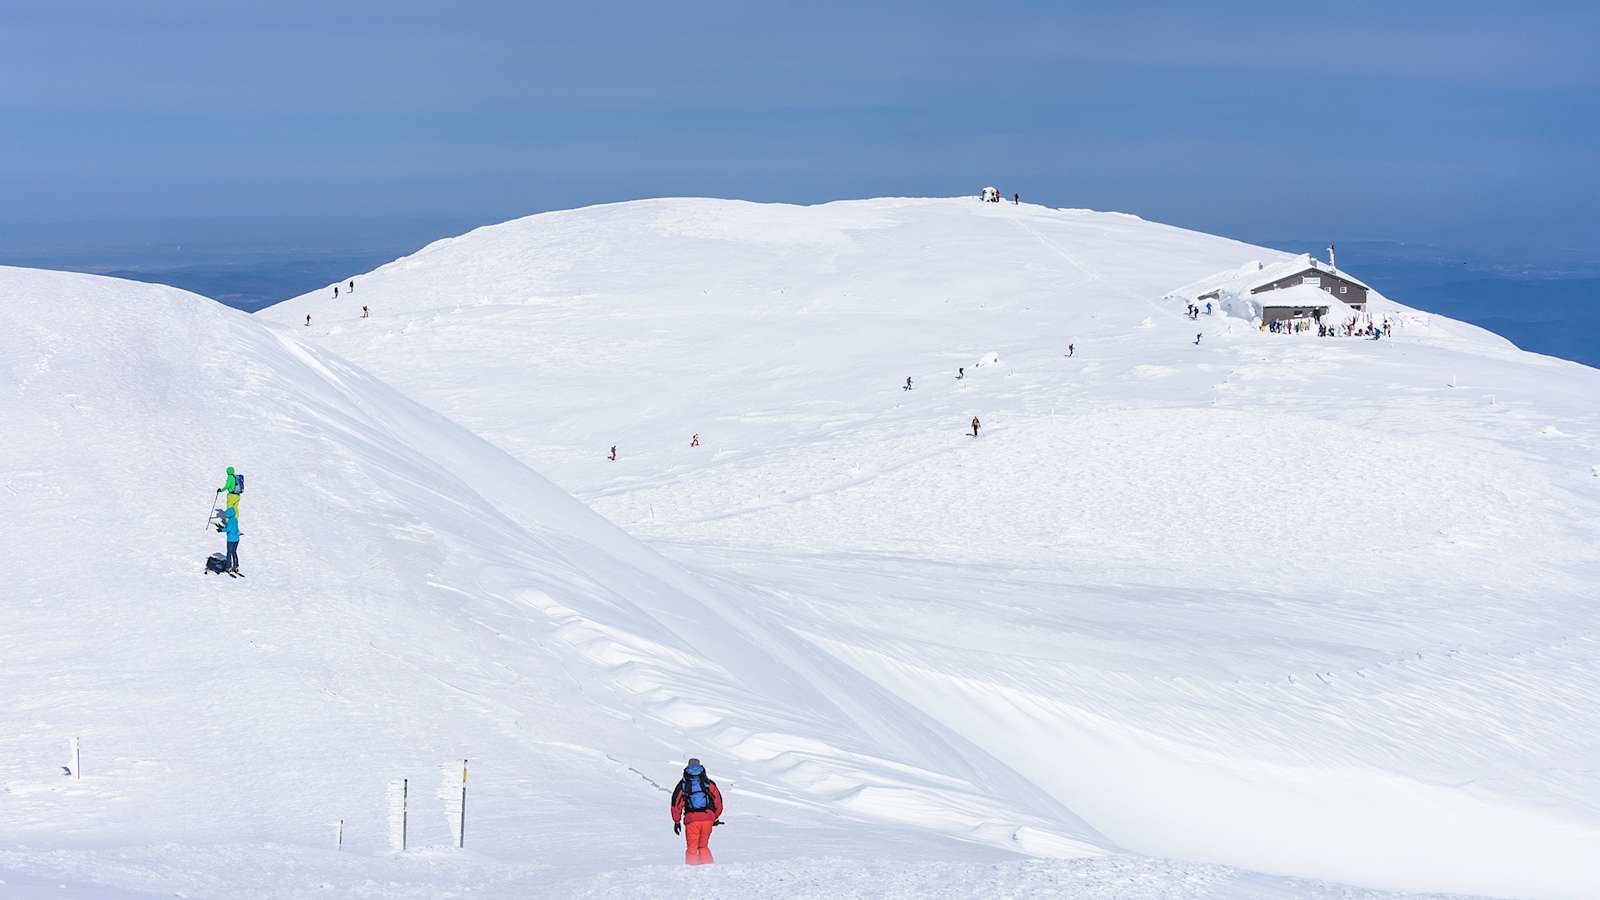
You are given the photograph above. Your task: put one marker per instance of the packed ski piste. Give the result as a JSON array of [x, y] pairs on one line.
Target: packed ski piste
[[1300, 604]]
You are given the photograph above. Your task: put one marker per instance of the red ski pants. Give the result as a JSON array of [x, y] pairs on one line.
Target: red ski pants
[[696, 835]]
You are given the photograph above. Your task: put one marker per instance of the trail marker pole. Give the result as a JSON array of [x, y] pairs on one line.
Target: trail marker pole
[[77, 759], [461, 833], [340, 845], [405, 787]]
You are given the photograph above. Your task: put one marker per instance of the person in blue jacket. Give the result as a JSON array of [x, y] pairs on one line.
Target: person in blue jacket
[[230, 524]]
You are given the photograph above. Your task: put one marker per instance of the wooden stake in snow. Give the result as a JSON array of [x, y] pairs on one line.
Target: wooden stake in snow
[[340, 845]]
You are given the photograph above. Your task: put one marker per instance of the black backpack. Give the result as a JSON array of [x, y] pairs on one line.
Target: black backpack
[[217, 563]]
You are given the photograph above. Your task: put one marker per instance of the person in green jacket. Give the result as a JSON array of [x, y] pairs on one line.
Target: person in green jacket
[[233, 489]]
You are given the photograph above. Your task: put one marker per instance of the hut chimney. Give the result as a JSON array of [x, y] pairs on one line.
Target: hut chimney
[[1332, 263]]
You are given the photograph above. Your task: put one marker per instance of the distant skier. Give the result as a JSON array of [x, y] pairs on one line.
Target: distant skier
[[694, 441], [364, 313], [1197, 340], [908, 382], [975, 425], [233, 486], [613, 452], [961, 372], [1208, 307], [308, 320], [1015, 199], [336, 292], [352, 286], [697, 807], [230, 525], [1070, 350]]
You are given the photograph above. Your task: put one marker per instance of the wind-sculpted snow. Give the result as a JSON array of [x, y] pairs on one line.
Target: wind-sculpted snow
[[412, 597], [1314, 606]]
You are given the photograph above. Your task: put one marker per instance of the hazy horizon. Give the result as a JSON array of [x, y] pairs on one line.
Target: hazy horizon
[[250, 149], [1472, 127]]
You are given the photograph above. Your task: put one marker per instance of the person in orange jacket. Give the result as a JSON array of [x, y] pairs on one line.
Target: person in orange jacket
[[696, 809]]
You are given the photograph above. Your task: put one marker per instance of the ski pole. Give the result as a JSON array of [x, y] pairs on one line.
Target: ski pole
[[213, 507]]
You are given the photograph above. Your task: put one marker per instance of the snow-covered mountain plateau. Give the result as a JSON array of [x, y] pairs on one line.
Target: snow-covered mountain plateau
[[1197, 608]]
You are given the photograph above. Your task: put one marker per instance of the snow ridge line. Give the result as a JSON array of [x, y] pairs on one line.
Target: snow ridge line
[[795, 768]]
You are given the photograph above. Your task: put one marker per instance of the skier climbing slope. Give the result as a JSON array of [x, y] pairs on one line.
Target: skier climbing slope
[[696, 808]]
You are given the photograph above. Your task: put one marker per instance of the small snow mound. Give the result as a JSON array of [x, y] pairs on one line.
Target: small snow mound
[[1148, 322], [989, 359], [1552, 431]]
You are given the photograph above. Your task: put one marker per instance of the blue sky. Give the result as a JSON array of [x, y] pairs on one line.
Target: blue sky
[[1430, 121]]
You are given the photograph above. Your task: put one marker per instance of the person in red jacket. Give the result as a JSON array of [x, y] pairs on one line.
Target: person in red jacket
[[696, 809]]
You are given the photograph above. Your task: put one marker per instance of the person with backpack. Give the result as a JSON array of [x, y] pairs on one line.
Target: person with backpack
[[230, 524], [233, 486], [975, 425], [613, 452], [696, 809]]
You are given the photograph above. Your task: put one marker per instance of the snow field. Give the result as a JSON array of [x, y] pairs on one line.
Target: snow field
[[1281, 602], [1215, 620], [393, 620]]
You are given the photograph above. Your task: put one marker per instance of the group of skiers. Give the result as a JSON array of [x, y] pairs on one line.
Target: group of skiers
[[693, 442], [226, 519], [1352, 327], [1193, 311], [350, 288]]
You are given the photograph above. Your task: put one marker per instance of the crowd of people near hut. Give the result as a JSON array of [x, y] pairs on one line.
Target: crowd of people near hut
[[1354, 326]]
